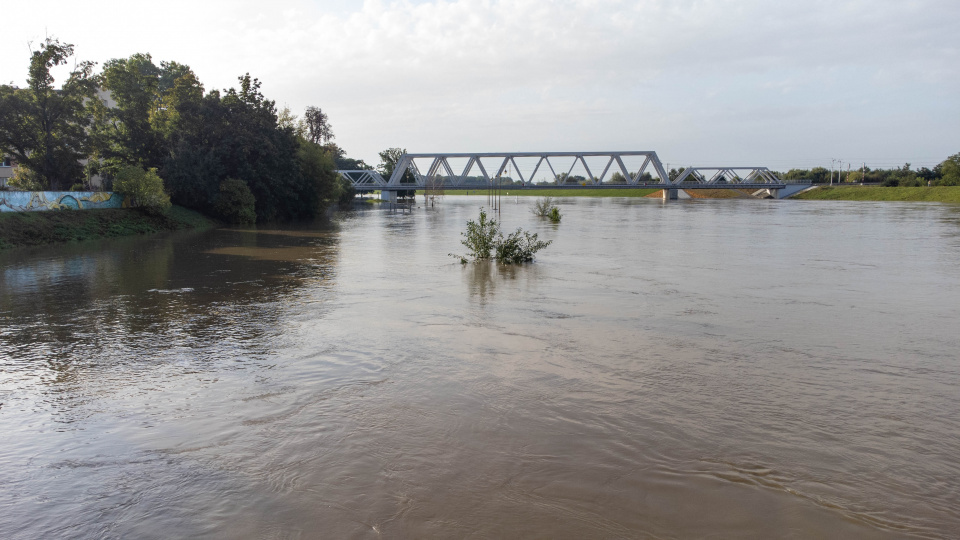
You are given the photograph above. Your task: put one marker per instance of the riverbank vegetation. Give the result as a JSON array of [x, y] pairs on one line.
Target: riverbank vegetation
[[22, 229], [946, 173], [949, 194], [160, 119]]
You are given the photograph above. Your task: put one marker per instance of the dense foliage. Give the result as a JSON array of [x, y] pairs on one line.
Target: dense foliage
[[143, 186], [235, 203], [43, 128], [161, 119]]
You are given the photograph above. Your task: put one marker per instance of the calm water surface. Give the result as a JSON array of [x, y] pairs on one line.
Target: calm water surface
[[721, 369]]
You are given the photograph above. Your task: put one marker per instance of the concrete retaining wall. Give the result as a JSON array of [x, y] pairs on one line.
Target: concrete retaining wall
[[35, 201]]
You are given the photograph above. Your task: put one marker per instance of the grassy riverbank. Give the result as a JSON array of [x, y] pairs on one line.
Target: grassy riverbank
[[950, 194], [19, 229], [547, 192]]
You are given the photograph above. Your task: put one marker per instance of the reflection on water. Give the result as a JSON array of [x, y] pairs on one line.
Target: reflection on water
[[690, 369]]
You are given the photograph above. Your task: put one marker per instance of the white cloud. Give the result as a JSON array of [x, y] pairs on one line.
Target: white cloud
[[699, 81]]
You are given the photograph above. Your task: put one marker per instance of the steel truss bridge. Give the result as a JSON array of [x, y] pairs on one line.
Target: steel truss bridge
[[485, 170]]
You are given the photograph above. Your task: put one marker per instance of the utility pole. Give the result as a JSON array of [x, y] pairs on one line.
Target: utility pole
[[863, 173]]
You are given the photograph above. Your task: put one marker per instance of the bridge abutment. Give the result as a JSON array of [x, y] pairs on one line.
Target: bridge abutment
[[670, 194], [390, 196]]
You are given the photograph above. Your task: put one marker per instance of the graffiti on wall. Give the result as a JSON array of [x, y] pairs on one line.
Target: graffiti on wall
[[33, 201]]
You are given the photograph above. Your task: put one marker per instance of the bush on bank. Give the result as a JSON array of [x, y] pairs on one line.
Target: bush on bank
[[143, 186]]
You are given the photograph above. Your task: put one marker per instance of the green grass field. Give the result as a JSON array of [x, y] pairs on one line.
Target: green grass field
[[950, 194], [18, 229], [547, 192]]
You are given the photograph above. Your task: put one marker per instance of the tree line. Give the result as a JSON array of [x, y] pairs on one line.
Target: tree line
[[228, 153], [946, 173]]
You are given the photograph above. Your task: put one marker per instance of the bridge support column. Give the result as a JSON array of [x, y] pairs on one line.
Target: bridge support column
[[670, 194], [790, 189], [390, 196]]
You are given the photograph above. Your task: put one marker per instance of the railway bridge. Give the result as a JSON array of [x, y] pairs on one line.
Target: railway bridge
[[553, 170]]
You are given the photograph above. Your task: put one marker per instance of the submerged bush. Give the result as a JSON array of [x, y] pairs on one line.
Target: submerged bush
[[541, 208], [554, 215], [544, 207], [480, 237], [518, 247], [483, 237]]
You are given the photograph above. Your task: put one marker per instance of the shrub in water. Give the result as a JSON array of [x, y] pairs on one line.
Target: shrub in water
[[483, 237], [518, 247], [480, 237], [542, 207], [554, 215]]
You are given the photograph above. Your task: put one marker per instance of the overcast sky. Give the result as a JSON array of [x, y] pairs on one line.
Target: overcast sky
[[702, 82]]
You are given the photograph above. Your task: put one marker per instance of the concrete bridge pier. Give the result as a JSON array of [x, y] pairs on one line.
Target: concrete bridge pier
[[670, 194], [390, 196], [786, 191]]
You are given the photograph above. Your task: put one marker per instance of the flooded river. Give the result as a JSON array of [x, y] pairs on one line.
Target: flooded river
[[694, 369]]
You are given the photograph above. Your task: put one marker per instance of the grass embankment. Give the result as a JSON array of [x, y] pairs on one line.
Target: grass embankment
[[949, 194], [19, 229], [547, 192]]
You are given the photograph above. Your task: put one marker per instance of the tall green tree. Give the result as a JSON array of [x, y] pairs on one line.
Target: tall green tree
[[317, 126], [238, 134], [388, 162], [134, 84], [950, 169], [42, 127]]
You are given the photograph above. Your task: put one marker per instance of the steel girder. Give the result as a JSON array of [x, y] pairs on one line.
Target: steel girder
[[440, 167], [364, 178], [727, 175]]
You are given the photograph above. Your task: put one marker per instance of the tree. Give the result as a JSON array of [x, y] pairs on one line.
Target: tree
[[388, 162], [950, 169], [344, 163], [44, 128], [237, 134], [318, 126], [235, 204], [134, 83], [286, 119]]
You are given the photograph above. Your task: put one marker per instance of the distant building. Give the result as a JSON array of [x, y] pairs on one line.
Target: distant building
[[6, 170]]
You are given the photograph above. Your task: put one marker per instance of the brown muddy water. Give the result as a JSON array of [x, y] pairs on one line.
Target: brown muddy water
[[694, 369]]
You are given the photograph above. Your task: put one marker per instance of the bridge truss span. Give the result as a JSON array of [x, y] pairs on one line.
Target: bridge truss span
[[531, 170], [727, 175], [595, 167]]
